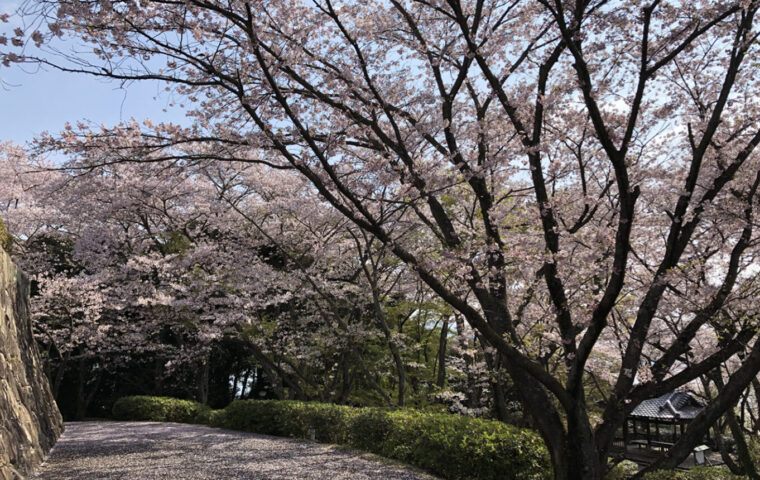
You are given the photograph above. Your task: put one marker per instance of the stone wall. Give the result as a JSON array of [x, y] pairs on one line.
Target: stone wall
[[30, 422]]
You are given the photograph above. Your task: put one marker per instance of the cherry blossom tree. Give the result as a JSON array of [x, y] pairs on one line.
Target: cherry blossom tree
[[184, 263], [568, 176], [340, 274]]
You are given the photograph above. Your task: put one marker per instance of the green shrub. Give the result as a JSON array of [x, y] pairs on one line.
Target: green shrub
[[248, 416], [457, 447], [623, 471], [331, 423], [370, 427], [452, 446], [754, 449], [160, 409], [712, 473], [696, 473]]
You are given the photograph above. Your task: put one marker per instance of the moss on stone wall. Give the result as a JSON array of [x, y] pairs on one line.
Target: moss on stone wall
[[5, 239]]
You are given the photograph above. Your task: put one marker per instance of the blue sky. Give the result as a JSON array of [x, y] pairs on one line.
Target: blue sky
[[34, 100]]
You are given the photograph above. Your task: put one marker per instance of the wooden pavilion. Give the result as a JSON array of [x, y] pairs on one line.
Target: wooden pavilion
[[660, 422]]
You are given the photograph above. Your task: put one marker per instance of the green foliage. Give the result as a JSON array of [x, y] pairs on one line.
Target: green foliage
[[697, 473], [6, 241], [754, 449], [456, 446], [452, 446], [370, 428], [160, 409], [176, 242], [287, 418], [623, 471]]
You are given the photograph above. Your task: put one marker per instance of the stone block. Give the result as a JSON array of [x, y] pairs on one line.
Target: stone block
[[30, 422]]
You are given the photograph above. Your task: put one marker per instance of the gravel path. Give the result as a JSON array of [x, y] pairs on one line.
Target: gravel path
[[148, 451]]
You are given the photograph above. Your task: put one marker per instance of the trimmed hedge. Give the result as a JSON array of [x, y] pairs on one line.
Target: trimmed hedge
[[455, 446], [452, 446], [627, 469], [160, 409], [624, 470], [286, 419], [696, 473]]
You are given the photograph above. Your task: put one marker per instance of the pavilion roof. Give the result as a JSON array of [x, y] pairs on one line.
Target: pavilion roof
[[674, 405]]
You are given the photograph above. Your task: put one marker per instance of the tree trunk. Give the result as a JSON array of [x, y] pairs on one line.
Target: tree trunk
[[235, 381], [158, 377], [494, 362], [583, 460], [81, 409], [246, 375], [748, 467], [203, 381], [84, 397], [395, 353], [572, 449], [735, 468], [742, 449], [277, 376], [275, 381], [441, 379], [574, 456], [92, 392], [369, 377], [500, 400], [59, 374], [345, 390]]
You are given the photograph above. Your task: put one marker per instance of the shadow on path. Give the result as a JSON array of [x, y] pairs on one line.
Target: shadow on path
[[145, 450]]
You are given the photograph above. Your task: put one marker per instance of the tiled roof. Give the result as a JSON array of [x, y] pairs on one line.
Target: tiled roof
[[671, 405]]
